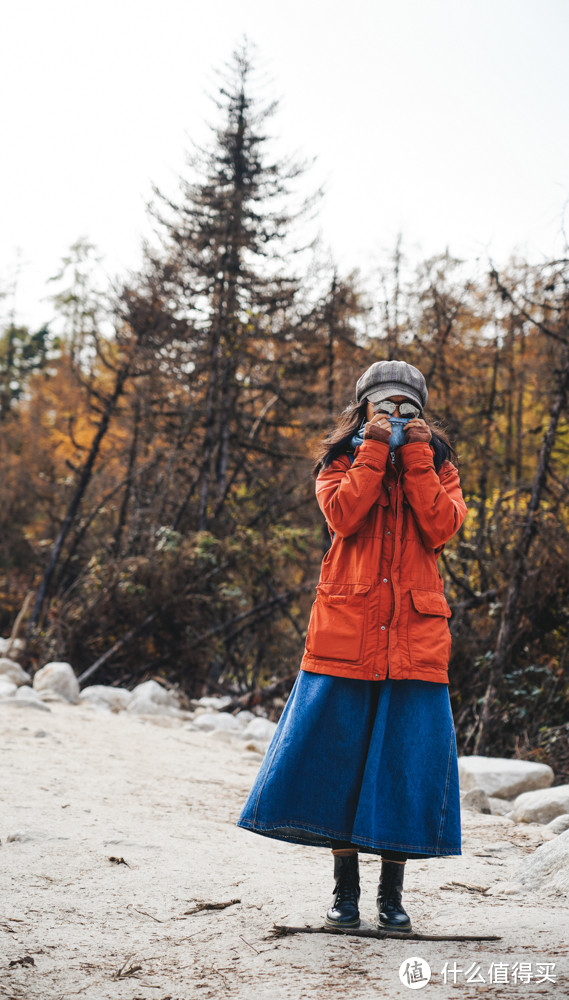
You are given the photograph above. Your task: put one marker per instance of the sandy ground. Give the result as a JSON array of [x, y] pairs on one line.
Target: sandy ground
[[81, 787]]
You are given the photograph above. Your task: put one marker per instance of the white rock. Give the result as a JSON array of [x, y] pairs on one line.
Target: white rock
[[150, 698], [7, 688], [26, 697], [541, 806], [217, 720], [57, 679], [502, 777], [145, 706], [559, 824], [19, 837], [476, 800], [500, 807], [11, 647], [216, 702], [260, 729], [244, 717], [113, 698], [200, 711], [547, 869], [12, 672], [26, 691]]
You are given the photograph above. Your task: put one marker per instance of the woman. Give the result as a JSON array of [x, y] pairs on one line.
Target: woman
[[364, 755]]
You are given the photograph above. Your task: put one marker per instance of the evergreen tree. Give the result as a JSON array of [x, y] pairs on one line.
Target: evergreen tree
[[228, 247], [21, 354]]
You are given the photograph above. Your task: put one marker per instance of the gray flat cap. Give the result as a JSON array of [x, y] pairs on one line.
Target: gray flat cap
[[392, 378]]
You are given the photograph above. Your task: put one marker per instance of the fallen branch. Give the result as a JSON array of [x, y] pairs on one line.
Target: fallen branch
[[250, 945], [282, 930], [124, 972], [144, 913], [210, 906], [467, 885]]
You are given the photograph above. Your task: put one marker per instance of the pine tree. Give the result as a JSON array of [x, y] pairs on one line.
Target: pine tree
[[228, 246]]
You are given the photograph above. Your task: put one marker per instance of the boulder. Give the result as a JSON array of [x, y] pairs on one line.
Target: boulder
[[150, 698], [57, 679], [7, 688], [502, 777], [12, 672], [244, 717], [217, 720], [547, 869], [541, 806], [260, 730], [11, 647], [476, 800], [19, 837], [115, 699], [499, 807], [216, 702], [26, 697], [559, 824], [26, 692]]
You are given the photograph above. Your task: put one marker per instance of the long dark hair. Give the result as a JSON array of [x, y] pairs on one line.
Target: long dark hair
[[338, 441]]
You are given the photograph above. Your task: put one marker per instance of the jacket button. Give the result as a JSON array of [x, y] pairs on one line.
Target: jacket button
[[389, 487], [376, 675], [383, 628], [387, 532], [385, 579]]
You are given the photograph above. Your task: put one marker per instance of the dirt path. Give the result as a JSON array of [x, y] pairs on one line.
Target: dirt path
[[80, 787]]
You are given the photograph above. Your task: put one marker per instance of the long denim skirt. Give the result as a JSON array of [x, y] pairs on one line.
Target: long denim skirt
[[370, 762]]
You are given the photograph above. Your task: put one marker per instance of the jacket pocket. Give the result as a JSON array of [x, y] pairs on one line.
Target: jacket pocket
[[337, 625], [427, 631]]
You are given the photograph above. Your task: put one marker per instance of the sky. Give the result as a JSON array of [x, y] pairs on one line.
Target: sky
[[443, 120]]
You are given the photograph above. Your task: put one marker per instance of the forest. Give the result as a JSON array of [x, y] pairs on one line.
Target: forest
[[157, 498]]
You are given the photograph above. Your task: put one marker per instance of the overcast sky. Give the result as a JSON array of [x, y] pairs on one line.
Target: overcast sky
[[446, 120]]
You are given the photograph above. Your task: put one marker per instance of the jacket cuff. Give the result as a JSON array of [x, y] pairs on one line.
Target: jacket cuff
[[374, 449]]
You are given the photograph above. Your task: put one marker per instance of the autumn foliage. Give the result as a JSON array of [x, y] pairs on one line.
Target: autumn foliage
[[156, 497]]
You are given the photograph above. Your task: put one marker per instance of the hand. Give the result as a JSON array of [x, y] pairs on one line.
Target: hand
[[378, 428], [417, 430]]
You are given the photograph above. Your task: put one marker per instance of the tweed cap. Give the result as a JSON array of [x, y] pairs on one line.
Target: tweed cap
[[392, 378]]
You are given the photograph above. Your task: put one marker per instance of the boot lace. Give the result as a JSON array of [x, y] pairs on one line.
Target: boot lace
[[346, 890]]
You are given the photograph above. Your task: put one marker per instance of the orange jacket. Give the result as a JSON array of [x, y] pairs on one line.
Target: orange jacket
[[380, 609]]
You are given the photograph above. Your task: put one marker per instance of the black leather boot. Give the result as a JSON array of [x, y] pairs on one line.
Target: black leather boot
[[391, 914], [344, 911]]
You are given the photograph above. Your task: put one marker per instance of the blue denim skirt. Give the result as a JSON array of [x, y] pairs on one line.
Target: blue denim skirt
[[369, 762]]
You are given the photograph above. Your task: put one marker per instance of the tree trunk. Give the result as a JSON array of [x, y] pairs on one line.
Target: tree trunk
[[77, 497], [483, 483], [133, 452], [502, 653]]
